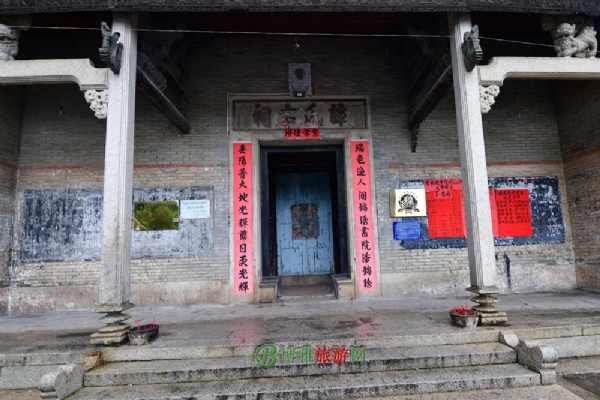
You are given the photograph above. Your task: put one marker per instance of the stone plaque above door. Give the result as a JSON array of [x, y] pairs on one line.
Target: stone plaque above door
[[271, 114]]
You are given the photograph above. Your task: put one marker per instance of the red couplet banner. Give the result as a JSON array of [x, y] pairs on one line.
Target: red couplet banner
[[363, 215], [514, 212], [243, 243]]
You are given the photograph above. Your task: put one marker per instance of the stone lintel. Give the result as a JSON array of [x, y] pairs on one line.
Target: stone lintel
[[28, 72], [501, 68]]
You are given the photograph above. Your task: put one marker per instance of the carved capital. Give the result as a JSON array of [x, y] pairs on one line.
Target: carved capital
[[487, 97], [98, 101]]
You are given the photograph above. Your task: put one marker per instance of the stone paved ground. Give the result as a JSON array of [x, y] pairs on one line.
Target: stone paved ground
[[314, 320]]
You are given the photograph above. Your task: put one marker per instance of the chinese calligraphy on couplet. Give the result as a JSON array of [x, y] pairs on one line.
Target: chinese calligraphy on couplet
[[243, 243], [363, 215]]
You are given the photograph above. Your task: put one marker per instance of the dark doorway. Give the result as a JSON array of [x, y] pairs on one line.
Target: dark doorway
[[303, 214]]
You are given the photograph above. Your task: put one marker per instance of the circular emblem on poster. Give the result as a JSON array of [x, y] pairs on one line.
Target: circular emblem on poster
[[408, 202]]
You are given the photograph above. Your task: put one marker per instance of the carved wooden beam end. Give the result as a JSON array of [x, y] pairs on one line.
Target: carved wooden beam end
[[414, 135]]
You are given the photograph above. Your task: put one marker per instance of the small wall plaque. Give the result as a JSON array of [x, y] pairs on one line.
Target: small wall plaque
[[194, 209], [407, 229], [407, 203]]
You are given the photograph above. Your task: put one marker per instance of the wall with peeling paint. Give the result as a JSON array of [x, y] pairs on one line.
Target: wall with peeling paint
[[578, 114], [10, 132]]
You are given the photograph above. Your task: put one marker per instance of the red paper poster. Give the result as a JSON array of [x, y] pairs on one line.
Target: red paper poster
[[243, 243], [514, 212], [363, 215], [302, 133], [494, 212], [445, 215], [442, 188]]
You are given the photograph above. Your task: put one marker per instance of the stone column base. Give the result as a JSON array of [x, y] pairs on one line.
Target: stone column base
[[115, 331], [490, 315]]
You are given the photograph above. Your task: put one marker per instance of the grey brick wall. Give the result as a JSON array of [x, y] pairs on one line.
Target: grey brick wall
[[578, 113], [521, 135]]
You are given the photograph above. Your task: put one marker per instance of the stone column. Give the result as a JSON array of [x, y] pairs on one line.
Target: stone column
[[480, 239], [118, 173]]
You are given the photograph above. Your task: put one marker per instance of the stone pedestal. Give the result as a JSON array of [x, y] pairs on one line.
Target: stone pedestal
[[480, 238], [114, 331], [490, 314]]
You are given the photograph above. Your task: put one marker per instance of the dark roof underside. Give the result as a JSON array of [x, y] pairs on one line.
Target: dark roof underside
[[590, 7]]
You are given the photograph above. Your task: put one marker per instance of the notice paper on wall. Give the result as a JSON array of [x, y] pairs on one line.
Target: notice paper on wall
[[194, 209]]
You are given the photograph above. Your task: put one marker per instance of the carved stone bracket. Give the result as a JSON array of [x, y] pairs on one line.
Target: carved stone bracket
[[98, 101], [471, 49], [487, 97], [111, 50]]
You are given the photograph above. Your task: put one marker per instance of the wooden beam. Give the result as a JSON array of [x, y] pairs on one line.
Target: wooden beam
[[158, 99], [431, 92]]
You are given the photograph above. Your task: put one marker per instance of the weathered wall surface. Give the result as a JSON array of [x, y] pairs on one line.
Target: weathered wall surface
[[61, 152], [578, 114], [10, 131], [66, 152], [521, 137]]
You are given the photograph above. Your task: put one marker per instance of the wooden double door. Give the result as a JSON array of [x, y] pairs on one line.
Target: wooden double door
[[303, 211]]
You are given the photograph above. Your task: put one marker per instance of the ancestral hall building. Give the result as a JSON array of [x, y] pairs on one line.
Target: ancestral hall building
[[192, 152]]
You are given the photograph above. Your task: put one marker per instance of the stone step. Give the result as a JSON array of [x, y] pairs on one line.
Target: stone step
[[23, 370], [229, 368], [328, 386], [165, 350]]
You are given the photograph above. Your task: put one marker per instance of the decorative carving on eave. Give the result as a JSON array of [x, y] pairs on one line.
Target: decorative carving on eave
[[573, 36], [111, 50], [98, 101], [10, 30], [471, 49], [487, 97]]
